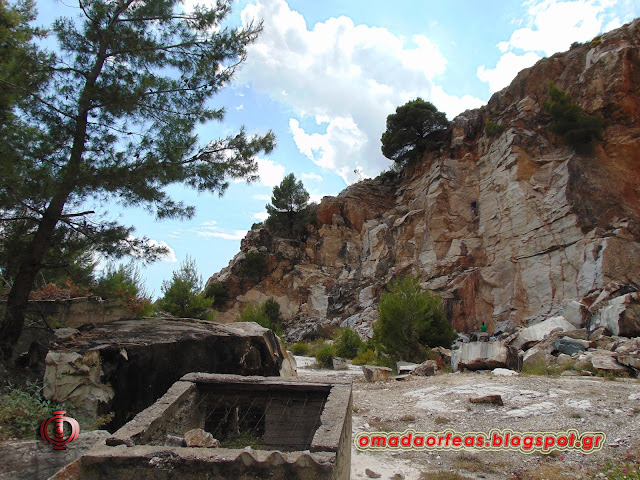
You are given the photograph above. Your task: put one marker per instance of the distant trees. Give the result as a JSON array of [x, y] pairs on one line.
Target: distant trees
[[182, 295], [578, 130], [289, 204], [414, 129], [412, 319]]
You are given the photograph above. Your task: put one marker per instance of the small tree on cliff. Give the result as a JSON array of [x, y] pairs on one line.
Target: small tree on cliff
[[415, 128], [289, 203], [115, 120], [411, 320]]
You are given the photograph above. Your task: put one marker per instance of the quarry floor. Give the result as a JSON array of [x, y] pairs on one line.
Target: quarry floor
[[531, 404]]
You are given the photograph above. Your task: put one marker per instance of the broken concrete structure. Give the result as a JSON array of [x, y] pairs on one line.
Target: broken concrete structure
[[268, 427], [124, 366]]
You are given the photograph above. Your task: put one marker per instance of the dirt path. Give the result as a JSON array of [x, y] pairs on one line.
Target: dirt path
[[531, 404]]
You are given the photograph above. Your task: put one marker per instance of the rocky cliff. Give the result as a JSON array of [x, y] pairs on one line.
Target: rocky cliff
[[510, 229]]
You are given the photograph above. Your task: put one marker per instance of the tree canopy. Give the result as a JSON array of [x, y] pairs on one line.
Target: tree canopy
[[182, 295], [288, 203], [412, 131], [411, 320], [111, 117]]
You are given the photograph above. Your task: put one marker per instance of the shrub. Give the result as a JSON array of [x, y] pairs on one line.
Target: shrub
[[348, 343], [576, 129], [493, 129], [300, 348], [218, 292], [325, 355], [254, 266], [266, 315], [411, 319], [365, 357], [22, 410], [125, 283], [182, 297]]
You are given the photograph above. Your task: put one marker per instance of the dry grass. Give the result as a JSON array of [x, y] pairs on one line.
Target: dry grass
[[472, 464], [442, 420], [442, 476]]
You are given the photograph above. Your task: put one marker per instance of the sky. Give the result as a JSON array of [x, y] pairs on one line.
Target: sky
[[324, 75]]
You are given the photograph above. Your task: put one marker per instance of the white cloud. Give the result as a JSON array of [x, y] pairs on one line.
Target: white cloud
[[312, 176], [348, 77], [271, 173], [262, 216], [550, 26], [210, 229], [169, 257], [507, 68], [240, 107]]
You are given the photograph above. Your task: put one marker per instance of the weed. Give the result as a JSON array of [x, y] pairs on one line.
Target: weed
[[442, 420], [493, 129], [442, 476], [300, 348]]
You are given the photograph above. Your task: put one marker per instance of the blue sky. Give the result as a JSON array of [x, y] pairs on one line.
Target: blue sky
[[324, 75]]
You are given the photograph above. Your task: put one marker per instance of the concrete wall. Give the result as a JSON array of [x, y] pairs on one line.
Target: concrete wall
[[78, 311]]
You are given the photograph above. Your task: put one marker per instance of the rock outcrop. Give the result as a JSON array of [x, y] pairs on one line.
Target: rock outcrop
[[510, 229]]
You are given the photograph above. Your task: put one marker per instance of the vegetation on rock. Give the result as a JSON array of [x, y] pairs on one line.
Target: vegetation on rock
[[411, 320], [578, 130], [254, 266], [289, 204], [414, 129], [218, 292], [266, 315], [493, 129]]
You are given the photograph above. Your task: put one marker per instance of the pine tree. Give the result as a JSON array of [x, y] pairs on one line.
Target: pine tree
[[415, 128], [288, 203], [114, 118]]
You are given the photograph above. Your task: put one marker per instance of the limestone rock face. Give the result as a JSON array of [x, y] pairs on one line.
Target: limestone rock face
[[511, 229]]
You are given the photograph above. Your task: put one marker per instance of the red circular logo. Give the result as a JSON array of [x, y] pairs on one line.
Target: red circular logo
[[58, 439]]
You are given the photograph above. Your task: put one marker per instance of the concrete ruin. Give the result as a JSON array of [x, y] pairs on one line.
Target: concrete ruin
[[268, 427], [125, 366]]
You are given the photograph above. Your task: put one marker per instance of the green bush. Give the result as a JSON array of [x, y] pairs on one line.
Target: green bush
[[22, 410], [266, 315], [325, 355], [576, 129], [348, 343], [300, 348], [493, 129], [254, 266], [182, 297], [218, 292], [411, 320], [125, 283], [365, 357]]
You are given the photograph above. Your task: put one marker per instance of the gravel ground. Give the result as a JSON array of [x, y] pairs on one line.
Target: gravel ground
[[531, 404]]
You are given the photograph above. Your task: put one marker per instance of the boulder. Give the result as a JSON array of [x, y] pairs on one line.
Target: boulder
[[375, 374], [124, 366], [504, 372], [492, 399], [630, 360], [484, 356], [535, 333], [608, 363], [444, 353], [289, 367], [621, 315], [569, 346], [405, 367], [197, 437], [576, 313], [339, 363], [426, 369]]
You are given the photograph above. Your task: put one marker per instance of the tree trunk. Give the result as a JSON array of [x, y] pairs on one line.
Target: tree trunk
[[11, 326]]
